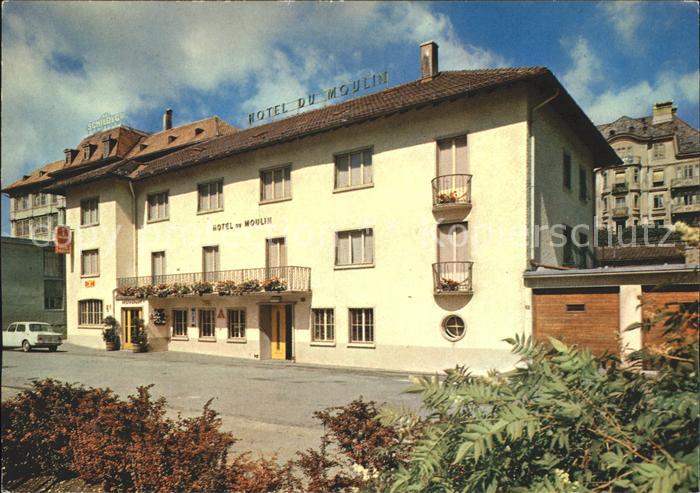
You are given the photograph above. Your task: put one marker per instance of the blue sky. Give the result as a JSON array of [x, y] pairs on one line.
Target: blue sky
[[65, 64]]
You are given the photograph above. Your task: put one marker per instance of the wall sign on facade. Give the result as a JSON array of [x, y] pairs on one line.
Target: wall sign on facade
[[259, 221], [90, 283], [106, 121], [340, 91], [63, 240]]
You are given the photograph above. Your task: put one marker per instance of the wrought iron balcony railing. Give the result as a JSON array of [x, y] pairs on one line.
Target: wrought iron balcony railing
[[452, 190], [620, 188], [239, 281], [452, 277]]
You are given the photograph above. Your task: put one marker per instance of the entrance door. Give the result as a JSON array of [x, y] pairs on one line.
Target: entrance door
[[278, 338], [128, 325]]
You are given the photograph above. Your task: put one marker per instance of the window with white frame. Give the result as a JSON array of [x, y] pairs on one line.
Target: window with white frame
[[180, 323], [22, 202], [361, 325], [353, 169], [90, 262], [620, 201], [207, 318], [89, 212], [236, 323], [453, 328], [355, 247], [40, 199], [276, 183], [210, 196], [158, 207], [90, 312], [323, 325], [53, 294]]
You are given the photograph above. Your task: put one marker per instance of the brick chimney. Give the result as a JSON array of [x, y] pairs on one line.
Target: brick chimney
[[662, 112], [168, 119], [428, 60]]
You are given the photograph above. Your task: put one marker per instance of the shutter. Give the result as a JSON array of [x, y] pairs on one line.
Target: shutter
[[343, 249], [279, 183], [341, 166], [202, 198], [460, 236], [356, 169], [283, 252], [357, 244], [461, 163], [369, 246], [445, 157], [367, 167], [267, 185]]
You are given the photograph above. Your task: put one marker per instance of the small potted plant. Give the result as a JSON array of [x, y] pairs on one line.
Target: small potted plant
[[139, 338], [158, 316], [447, 284], [274, 284], [110, 333]]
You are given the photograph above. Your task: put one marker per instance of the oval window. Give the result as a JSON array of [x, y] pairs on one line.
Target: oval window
[[453, 328]]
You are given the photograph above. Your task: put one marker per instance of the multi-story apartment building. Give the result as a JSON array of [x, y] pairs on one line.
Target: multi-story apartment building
[[659, 180], [36, 215], [387, 231]]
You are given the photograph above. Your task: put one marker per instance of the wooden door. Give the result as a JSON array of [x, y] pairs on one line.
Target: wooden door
[[129, 315], [278, 337]]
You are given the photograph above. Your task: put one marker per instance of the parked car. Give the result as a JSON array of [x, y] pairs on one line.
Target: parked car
[[29, 335]]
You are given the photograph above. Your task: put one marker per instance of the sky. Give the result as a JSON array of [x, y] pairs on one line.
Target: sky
[[66, 63]]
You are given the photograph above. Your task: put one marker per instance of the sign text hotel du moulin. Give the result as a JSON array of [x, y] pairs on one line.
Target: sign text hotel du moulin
[[343, 90]]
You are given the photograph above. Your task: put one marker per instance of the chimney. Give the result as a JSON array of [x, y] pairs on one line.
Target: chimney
[[662, 112], [428, 60], [168, 119]]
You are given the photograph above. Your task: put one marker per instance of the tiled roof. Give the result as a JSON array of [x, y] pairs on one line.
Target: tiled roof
[[38, 176], [124, 136], [643, 128], [444, 86]]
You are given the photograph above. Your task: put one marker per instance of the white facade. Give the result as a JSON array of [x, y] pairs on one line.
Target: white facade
[[509, 147]]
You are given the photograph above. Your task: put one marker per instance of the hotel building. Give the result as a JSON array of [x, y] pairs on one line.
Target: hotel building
[[658, 182], [386, 231]]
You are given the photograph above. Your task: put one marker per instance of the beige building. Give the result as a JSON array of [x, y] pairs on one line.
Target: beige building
[[659, 180], [387, 231]]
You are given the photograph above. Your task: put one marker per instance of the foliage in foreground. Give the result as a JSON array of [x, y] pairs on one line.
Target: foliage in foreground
[[561, 422]]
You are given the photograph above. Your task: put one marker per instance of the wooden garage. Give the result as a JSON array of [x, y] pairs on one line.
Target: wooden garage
[[584, 316], [660, 299]]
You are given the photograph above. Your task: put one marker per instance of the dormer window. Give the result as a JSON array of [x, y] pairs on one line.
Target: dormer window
[[70, 155], [107, 145], [198, 131], [171, 139], [611, 133], [142, 147], [87, 151]]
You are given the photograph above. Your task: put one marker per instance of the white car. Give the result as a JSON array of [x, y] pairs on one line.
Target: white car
[[29, 335]]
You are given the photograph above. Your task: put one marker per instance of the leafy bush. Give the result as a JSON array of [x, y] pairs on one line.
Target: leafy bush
[[557, 423]]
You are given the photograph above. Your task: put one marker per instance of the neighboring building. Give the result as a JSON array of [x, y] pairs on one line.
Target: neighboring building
[[659, 180], [387, 231], [36, 215], [33, 283]]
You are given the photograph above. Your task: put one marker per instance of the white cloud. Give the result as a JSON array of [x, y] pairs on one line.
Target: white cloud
[[147, 55], [585, 70], [626, 17]]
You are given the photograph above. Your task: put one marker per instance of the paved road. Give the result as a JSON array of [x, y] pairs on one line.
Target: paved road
[[268, 405]]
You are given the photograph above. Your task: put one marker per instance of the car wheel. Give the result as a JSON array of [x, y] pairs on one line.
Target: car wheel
[[53, 348], [26, 347]]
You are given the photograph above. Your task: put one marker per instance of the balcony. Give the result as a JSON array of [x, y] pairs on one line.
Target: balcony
[[238, 282], [452, 191], [620, 188], [693, 181], [685, 208], [620, 211], [631, 159], [452, 278]]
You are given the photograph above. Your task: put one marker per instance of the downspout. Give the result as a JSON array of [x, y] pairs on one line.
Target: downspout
[[135, 245], [531, 176]]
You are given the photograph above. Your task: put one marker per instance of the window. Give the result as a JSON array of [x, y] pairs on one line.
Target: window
[[158, 208], [206, 323], [453, 328], [53, 264], [22, 203], [636, 201], [659, 151], [361, 325], [574, 254], [575, 307], [620, 176], [323, 325], [658, 178], [53, 222], [452, 242], [583, 184], [635, 175], [157, 267], [605, 179], [53, 294], [566, 164], [89, 212], [276, 184], [658, 201], [211, 196], [236, 324], [41, 226], [90, 262], [90, 312], [87, 149], [620, 201], [353, 169], [210, 262], [276, 252], [354, 247], [179, 323], [40, 199], [23, 228]]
